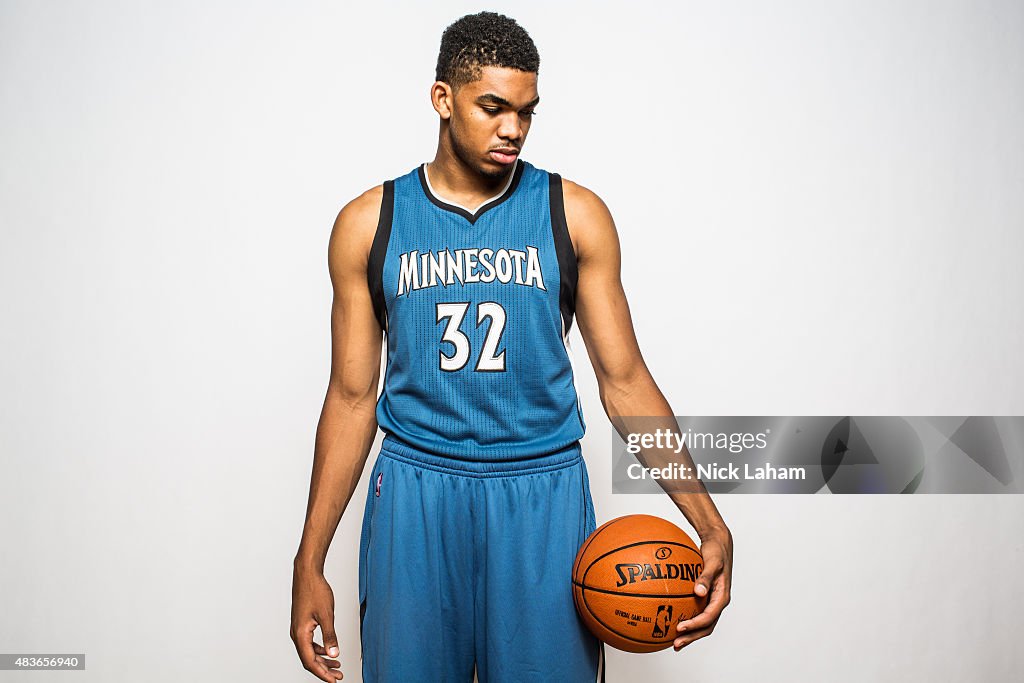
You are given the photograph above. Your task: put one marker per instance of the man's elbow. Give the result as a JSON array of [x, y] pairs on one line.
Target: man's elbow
[[619, 383], [356, 394]]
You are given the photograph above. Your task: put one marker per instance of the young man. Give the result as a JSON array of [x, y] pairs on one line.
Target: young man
[[474, 265]]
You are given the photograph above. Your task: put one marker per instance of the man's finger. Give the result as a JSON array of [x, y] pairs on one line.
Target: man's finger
[[305, 645], [322, 656], [330, 638], [712, 567], [684, 640], [709, 616]]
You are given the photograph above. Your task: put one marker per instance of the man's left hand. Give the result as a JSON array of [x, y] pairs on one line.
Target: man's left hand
[[715, 579]]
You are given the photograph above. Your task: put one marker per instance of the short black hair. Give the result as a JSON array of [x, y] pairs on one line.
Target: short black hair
[[483, 39]]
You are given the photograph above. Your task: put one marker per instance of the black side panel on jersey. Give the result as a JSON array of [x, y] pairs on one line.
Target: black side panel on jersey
[[563, 248], [379, 249]]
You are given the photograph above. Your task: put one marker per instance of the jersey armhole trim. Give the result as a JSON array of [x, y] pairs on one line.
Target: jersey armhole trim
[[567, 266], [375, 264]]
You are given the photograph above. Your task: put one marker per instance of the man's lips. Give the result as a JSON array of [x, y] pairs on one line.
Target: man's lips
[[504, 155]]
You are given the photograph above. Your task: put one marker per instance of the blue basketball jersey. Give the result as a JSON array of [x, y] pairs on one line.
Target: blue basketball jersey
[[477, 308]]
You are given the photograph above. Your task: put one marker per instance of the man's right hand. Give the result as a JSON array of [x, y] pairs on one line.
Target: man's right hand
[[312, 606]]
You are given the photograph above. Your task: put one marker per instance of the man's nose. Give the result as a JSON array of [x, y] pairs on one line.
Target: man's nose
[[511, 127]]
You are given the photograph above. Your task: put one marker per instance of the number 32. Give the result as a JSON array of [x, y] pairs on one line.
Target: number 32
[[488, 360]]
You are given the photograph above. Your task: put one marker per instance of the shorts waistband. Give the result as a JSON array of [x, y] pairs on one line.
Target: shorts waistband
[[400, 450]]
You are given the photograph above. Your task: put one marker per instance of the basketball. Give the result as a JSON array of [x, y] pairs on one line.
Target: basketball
[[633, 581]]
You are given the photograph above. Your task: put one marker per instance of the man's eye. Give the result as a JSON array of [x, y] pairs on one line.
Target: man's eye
[[491, 110], [530, 113]]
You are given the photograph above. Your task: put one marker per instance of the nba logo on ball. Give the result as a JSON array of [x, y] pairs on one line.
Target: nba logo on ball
[[631, 576], [662, 622]]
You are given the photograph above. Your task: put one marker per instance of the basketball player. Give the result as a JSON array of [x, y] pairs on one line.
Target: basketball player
[[474, 266]]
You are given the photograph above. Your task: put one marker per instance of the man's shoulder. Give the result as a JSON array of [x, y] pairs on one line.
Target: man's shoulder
[[587, 218], [366, 208], [582, 205], [362, 210], [356, 225], [579, 194]]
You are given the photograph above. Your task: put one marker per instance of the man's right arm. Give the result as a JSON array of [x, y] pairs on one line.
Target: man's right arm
[[346, 430]]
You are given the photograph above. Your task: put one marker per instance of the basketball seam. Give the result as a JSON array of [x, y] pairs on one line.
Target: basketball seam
[[608, 591], [579, 557]]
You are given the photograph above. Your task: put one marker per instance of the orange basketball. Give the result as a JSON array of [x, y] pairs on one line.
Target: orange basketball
[[633, 581]]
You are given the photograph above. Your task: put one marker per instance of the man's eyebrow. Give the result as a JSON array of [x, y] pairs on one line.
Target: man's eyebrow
[[491, 98]]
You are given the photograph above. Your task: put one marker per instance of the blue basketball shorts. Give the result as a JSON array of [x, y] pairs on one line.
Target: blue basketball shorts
[[467, 563]]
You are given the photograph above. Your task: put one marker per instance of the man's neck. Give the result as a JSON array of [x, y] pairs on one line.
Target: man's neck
[[453, 180]]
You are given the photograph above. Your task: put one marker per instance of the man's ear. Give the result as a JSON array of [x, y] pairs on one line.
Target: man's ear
[[443, 98]]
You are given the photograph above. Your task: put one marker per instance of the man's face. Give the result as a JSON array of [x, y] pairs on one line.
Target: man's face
[[491, 117]]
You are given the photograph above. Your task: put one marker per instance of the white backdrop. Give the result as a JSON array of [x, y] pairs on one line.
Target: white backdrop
[[820, 210]]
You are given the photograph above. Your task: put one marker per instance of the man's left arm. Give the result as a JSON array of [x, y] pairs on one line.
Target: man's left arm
[[627, 388]]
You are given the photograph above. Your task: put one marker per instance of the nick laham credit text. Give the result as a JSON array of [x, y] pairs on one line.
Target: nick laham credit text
[[715, 472]]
